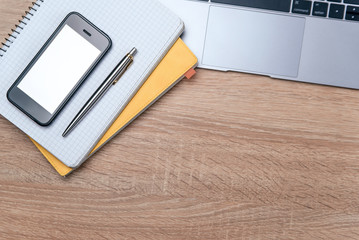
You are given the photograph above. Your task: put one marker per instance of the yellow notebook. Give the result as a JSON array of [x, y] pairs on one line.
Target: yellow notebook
[[177, 64]]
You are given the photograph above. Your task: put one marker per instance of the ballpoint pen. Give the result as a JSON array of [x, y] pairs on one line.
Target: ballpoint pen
[[104, 87]]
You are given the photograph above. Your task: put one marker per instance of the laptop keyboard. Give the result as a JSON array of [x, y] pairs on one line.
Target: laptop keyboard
[[335, 9]]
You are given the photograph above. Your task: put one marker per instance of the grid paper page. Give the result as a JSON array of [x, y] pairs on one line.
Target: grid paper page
[[144, 24]]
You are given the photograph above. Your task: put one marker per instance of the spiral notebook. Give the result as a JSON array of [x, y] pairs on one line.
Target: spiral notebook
[[146, 25]]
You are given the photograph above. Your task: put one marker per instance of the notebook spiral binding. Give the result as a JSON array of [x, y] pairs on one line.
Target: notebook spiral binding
[[19, 27]]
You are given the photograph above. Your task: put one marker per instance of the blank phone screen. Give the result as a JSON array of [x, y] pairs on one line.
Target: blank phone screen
[[59, 69]]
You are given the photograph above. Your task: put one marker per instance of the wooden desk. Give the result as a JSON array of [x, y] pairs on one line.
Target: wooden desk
[[222, 156]]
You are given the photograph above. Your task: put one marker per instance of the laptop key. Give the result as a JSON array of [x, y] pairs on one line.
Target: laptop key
[[275, 5], [336, 11], [353, 9], [352, 13], [352, 1], [352, 17], [320, 9], [302, 7]]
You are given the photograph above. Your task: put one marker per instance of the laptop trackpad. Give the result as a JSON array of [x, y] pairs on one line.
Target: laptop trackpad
[[250, 41]]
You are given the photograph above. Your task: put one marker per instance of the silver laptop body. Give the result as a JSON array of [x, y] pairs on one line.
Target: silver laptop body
[[308, 41]]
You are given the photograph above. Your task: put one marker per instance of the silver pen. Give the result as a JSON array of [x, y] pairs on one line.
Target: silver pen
[[105, 86]]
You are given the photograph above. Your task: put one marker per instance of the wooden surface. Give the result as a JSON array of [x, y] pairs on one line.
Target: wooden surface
[[222, 156]]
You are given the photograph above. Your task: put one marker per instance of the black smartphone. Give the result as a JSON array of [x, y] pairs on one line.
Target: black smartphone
[[59, 68]]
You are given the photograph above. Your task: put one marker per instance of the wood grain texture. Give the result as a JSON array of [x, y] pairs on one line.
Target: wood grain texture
[[222, 156]]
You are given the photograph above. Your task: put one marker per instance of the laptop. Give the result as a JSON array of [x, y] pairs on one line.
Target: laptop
[[300, 40]]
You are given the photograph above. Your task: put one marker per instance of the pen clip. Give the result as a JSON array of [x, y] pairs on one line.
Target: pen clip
[[118, 78]]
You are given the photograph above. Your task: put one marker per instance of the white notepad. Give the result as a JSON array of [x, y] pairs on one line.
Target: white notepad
[[144, 24]]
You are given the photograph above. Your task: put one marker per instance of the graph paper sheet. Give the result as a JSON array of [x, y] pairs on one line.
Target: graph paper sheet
[[144, 24]]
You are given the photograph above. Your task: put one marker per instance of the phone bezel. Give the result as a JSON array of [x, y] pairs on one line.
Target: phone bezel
[[25, 103]]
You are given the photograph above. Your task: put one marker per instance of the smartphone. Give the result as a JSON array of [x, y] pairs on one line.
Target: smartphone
[[59, 68]]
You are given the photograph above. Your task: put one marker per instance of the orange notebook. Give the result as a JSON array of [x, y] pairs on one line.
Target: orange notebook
[[177, 64]]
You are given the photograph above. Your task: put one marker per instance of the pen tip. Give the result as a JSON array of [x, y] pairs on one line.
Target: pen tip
[[65, 133]]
